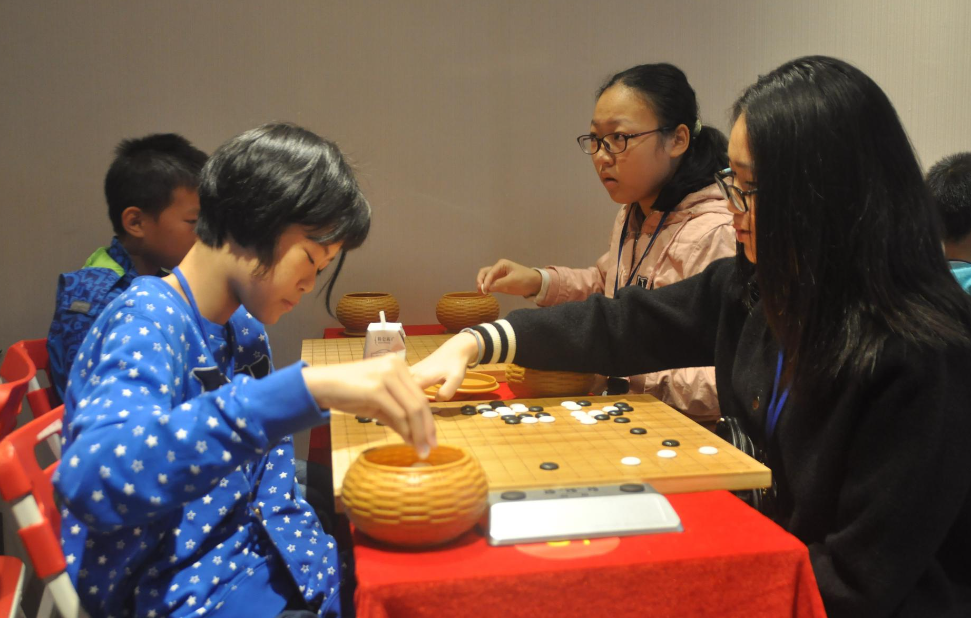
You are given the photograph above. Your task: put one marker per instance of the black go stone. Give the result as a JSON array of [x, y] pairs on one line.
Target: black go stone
[[584, 403], [621, 419], [638, 431], [535, 408], [512, 495], [363, 419], [524, 415], [621, 405], [670, 443], [379, 423], [469, 412], [616, 413], [602, 417], [465, 408], [513, 421], [496, 404], [549, 465], [506, 417], [542, 414]]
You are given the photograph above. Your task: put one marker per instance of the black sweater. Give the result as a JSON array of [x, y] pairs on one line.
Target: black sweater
[[875, 477]]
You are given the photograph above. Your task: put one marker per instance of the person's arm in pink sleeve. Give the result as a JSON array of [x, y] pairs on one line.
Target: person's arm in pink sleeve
[[568, 284]]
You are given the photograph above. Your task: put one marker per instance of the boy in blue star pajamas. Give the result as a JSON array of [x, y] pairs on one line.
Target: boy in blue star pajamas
[[177, 476]]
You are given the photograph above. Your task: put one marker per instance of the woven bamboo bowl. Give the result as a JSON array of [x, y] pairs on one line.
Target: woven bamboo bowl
[[355, 311], [458, 310], [528, 383], [391, 501]]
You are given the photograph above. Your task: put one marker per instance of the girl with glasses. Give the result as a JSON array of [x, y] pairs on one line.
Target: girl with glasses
[[841, 342], [653, 156]]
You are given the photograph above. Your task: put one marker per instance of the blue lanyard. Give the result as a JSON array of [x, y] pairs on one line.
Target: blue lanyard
[[775, 406], [620, 249], [230, 369]]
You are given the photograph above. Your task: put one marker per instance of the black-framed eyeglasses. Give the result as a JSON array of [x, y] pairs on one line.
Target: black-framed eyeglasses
[[614, 143], [725, 180]]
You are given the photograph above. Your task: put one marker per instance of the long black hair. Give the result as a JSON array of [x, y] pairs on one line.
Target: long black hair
[[848, 243], [263, 181], [667, 92]]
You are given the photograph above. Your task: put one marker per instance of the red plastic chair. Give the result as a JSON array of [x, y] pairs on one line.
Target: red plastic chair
[[11, 587], [30, 492], [42, 399], [17, 372], [20, 366]]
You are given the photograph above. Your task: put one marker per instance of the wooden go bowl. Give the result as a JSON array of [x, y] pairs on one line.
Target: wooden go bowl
[[458, 310], [355, 311], [388, 499], [528, 383]]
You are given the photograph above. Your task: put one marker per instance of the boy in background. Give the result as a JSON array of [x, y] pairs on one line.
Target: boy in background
[[950, 185], [153, 204]]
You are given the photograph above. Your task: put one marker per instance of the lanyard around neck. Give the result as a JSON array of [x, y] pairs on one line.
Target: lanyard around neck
[[201, 323], [775, 406], [620, 249]]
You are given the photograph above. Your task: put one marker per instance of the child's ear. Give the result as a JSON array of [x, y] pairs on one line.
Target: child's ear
[[133, 219], [679, 141]]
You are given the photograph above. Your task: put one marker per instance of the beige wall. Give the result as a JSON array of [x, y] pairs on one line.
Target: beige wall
[[460, 116]]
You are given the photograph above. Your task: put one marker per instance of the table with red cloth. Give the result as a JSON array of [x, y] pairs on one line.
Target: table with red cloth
[[729, 561]]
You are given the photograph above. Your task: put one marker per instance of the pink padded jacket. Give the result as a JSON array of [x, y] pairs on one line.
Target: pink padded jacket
[[698, 231]]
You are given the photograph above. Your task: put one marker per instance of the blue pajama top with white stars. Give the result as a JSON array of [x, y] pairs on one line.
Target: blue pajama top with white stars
[[178, 483]]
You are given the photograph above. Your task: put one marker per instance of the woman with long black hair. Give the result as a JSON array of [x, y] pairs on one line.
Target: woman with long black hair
[[840, 341]]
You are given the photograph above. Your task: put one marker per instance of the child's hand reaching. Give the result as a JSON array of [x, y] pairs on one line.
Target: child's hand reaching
[[448, 363], [381, 388], [508, 277]]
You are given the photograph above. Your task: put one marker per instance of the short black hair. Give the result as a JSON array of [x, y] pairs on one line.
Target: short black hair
[[146, 171], [263, 181], [949, 182]]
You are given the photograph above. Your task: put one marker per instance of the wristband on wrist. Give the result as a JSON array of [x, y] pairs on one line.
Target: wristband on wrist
[[478, 347]]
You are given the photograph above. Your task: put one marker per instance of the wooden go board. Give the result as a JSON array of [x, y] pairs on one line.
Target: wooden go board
[[586, 454], [334, 351]]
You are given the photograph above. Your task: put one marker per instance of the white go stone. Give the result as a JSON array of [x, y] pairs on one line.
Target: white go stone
[[630, 461], [707, 450], [490, 414], [529, 420], [518, 407], [547, 419], [666, 453]]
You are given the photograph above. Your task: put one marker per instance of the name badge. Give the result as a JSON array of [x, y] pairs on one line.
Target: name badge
[[80, 306]]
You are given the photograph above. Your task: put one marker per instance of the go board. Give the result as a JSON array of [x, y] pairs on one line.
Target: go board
[[334, 351], [586, 455]]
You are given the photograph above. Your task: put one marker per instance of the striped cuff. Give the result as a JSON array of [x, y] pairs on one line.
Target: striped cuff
[[499, 341]]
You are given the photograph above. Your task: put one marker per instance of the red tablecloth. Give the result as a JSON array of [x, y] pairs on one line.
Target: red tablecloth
[[729, 561]]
